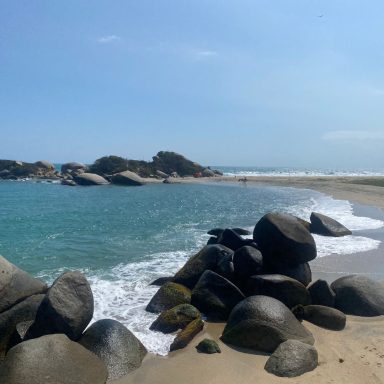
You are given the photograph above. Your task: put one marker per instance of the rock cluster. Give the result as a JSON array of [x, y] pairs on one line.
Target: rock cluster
[[262, 288], [42, 338]]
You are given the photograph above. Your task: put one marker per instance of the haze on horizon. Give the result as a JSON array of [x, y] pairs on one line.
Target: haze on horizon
[[268, 82]]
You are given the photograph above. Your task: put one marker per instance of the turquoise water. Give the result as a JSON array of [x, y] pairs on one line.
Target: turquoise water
[[122, 238]]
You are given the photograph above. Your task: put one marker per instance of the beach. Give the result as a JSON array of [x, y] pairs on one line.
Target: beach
[[354, 355]]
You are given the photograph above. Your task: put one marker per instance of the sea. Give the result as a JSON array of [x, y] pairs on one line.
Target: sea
[[122, 238]]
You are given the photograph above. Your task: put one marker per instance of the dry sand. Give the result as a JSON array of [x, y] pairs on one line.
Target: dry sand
[[352, 356]]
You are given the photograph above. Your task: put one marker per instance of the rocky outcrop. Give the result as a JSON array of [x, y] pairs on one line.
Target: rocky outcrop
[[90, 179], [185, 336], [292, 358], [13, 170], [116, 346], [359, 295], [52, 359], [208, 258], [321, 293], [127, 178], [16, 285], [67, 308], [283, 240], [208, 346], [326, 226], [325, 317], [262, 323], [168, 296], [215, 296], [44, 164], [175, 318], [73, 167]]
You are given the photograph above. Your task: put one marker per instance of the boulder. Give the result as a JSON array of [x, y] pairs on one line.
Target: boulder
[[247, 261], [185, 336], [66, 308], [115, 345], [326, 226], [46, 165], [212, 240], [127, 178], [52, 359], [207, 258], [283, 240], [161, 281], [321, 293], [242, 231], [305, 223], [262, 323], [218, 231], [90, 179], [68, 182], [215, 296], [162, 174], [226, 268], [175, 318], [359, 295], [292, 358], [299, 272], [168, 296], [73, 166], [325, 317], [229, 238], [16, 285], [21, 312], [283, 288], [208, 346], [208, 173]]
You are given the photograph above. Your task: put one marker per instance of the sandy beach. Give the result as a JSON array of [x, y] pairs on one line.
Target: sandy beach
[[354, 355]]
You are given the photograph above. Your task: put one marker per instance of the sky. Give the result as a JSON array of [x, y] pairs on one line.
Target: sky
[[246, 82]]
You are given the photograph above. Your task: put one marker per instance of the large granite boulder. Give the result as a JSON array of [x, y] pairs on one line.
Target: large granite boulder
[[16, 285], [21, 312], [115, 345], [168, 296], [66, 308], [226, 268], [52, 359], [90, 179], [292, 358], [186, 335], [359, 295], [232, 240], [325, 317], [262, 323], [326, 226], [247, 261], [175, 318], [299, 272], [215, 296], [321, 293], [73, 166], [207, 258], [283, 240], [46, 165], [127, 178], [283, 288]]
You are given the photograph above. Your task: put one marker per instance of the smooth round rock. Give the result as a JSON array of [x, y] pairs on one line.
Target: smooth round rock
[[119, 349], [299, 272], [186, 335], [291, 359], [127, 178], [52, 359], [321, 293], [229, 238], [247, 261], [262, 323], [90, 179], [326, 226], [283, 240], [359, 295], [208, 346]]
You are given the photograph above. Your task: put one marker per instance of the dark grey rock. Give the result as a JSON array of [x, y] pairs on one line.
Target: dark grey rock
[[283, 288], [208, 346], [215, 296], [21, 312], [321, 293], [52, 359], [16, 285], [90, 179], [215, 232], [292, 358], [262, 323], [68, 182], [185, 336], [283, 240], [326, 226], [230, 239], [161, 281], [207, 258], [66, 308], [247, 261], [325, 317], [127, 178], [299, 272], [115, 345], [175, 318], [168, 296], [359, 295], [73, 166]]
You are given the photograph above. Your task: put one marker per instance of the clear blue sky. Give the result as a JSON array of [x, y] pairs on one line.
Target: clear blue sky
[[246, 82]]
